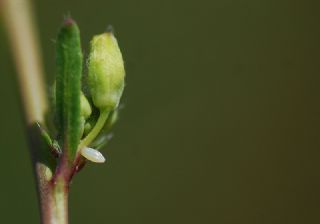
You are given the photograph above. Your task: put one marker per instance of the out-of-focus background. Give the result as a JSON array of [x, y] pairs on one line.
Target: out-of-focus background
[[221, 118]]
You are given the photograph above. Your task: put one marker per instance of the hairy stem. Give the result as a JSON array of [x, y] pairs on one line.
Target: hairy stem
[[55, 202], [59, 203]]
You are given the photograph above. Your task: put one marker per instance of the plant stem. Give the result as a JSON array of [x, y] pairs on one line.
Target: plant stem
[[55, 206], [96, 129], [53, 195], [24, 44], [59, 206]]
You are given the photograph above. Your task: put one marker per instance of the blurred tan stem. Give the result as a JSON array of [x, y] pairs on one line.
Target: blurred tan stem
[[24, 44], [22, 35]]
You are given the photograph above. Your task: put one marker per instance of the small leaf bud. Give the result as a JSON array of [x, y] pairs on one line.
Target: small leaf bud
[[85, 108]]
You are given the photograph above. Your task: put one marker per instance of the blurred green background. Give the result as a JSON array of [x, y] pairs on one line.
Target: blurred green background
[[221, 122]]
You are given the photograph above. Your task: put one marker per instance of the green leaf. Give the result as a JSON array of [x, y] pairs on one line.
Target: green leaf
[[52, 144], [68, 87]]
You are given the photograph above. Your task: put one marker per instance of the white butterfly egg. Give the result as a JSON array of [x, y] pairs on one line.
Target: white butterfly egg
[[92, 155]]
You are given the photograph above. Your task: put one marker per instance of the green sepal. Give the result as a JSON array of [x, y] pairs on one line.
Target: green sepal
[[68, 87]]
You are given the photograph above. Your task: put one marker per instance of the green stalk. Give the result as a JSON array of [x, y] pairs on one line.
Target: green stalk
[[104, 114]]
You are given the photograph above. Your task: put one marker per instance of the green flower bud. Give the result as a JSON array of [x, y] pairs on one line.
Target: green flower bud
[[85, 109], [106, 71]]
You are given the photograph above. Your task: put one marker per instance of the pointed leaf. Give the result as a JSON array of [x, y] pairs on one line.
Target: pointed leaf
[[68, 87]]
